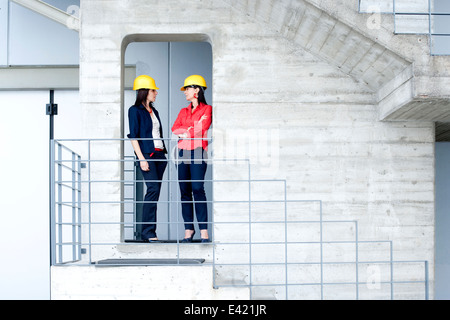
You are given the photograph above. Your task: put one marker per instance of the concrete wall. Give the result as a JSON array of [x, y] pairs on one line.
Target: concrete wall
[[324, 120], [139, 283]]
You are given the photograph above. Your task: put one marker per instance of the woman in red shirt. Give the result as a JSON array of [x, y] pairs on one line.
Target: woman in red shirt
[[191, 127]]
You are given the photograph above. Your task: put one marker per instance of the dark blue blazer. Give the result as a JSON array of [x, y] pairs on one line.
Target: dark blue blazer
[[141, 126]]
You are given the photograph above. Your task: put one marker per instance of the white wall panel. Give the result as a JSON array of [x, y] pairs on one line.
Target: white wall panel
[[24, 202], [3, 32], [24, 187]]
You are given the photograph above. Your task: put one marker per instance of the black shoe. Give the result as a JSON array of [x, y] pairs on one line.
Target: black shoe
[[188, 240], [205, 240]]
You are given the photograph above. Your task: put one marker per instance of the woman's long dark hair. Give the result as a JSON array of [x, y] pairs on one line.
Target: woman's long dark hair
[[201, 94], [141, 97]]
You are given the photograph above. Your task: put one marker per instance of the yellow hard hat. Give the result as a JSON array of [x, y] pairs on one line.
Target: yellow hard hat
[[144, 82], [194, 80]]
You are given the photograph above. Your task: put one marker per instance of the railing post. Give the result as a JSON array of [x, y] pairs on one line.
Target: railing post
[[357, 259], [79, 229], [90, 203], [392, 269], [250, 231], [74, 210], [286, 239], [51, 110], [60, 207], [52, 204], [427, 297], [321, 252]]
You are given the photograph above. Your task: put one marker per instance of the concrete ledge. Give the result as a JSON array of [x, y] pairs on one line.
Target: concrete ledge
[[39, 78], [400, 95], [139, 282], [422, 109], [146, 262], [160, 251], [49, 77]]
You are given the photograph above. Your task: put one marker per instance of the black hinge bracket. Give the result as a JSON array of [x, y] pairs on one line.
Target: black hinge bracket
[[51, 109]]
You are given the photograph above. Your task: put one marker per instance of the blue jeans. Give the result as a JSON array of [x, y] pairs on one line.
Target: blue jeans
[[193, 170], [155, 175]]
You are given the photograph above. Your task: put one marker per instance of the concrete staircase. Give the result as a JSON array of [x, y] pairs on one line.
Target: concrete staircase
[[327, 37], [388, 64]]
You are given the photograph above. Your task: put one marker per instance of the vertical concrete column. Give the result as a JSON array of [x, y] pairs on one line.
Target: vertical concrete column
[[100, 98]]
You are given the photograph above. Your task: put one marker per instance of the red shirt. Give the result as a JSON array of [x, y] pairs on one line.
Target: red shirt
[[190, 122]]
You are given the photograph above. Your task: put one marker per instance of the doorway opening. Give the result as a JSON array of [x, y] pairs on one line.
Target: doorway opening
[[169, 60]]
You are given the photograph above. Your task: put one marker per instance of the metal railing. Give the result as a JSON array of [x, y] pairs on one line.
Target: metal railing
[[65, 214], [426, 21], [277, 247]]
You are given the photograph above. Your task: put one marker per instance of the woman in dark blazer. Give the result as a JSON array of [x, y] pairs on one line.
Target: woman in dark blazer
[[145, 124]]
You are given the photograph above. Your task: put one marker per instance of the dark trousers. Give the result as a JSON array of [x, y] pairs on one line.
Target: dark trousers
[[193, 171], [153, 182]]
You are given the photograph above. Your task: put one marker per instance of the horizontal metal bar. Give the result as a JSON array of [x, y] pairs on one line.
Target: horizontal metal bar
[[219, 243], [62, 165], [422, 14], [313, 284], [64, 184], [64, 147], [173, 222], [235, 222], [128, 139], [175, 201], [423, 34], [150, 160], [425, 13], [318, 262], [171, 180], [215, 222], [68, 204]]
